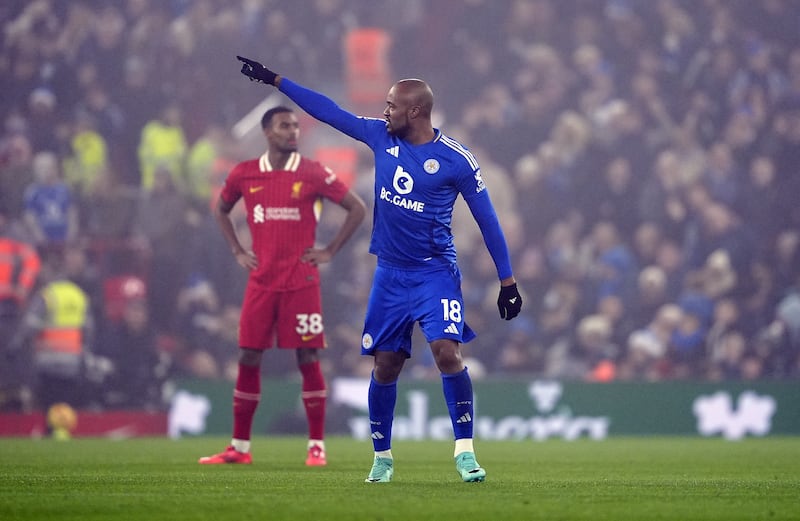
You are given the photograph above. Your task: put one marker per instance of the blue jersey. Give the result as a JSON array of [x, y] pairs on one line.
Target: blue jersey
[[50, 204], [416, 187]]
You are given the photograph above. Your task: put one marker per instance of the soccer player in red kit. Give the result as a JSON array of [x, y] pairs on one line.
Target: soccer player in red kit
[[282, 193]]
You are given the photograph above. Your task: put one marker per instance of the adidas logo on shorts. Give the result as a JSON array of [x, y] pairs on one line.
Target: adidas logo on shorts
[[452, 329]]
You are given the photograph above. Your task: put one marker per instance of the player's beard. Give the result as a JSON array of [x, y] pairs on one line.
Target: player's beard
[[399, 132]]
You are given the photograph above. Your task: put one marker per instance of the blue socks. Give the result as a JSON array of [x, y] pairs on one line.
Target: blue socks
[[382, 399], [458, 395]]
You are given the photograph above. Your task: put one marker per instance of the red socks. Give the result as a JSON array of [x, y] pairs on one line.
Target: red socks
[[314, 395], [246, 395]]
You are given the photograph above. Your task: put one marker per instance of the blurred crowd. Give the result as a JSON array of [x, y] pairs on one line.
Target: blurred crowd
[[643, 157]]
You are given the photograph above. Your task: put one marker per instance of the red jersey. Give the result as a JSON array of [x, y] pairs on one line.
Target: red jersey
[[19, 268], [283, 207]]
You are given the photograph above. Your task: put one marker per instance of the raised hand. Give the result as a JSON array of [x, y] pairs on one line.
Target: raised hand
[[257, 72]]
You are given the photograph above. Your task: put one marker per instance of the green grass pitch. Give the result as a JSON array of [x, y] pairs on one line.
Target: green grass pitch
[[617, 479]]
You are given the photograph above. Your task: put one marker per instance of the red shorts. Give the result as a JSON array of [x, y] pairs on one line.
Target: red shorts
[[294, 318]]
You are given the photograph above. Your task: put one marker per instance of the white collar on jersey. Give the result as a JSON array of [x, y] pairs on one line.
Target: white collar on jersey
[[291, 164]]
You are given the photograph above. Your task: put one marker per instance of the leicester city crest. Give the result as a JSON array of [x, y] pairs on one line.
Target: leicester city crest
[[431, 166]]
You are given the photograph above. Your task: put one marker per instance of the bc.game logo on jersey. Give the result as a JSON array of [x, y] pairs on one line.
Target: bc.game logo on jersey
[[403, 184]]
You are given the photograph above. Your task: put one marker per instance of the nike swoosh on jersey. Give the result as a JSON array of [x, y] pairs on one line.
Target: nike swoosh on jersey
[[306, 338], [254, 189]]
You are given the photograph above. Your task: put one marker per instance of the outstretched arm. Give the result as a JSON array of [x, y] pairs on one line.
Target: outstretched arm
[[315, 104]]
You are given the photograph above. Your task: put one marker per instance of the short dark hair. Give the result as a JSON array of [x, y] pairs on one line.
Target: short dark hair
[[266, 119]]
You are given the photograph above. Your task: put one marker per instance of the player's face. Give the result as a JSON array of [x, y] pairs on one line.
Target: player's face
[[396, 113], [283, 132]]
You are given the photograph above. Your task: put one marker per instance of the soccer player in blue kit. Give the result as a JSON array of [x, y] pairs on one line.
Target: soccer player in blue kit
[[419, 173]]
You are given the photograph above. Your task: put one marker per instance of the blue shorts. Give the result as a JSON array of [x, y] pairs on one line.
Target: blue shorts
[[399, 298]]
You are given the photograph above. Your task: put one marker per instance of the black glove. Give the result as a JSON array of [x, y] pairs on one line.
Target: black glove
[[257, 72], [509, 302]]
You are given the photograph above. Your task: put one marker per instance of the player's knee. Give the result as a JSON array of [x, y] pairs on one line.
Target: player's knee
[[250, 356], [447, 355], [387, 367], [307, 356]]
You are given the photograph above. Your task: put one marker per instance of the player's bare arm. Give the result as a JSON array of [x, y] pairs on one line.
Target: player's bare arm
[[222, 213], [510, 281], [356, 210]]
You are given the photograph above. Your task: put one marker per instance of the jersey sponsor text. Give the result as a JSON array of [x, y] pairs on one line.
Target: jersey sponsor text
[[402, 202], [262, 214]]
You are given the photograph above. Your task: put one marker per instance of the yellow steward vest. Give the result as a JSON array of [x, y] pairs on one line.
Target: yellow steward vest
[[67, 308]]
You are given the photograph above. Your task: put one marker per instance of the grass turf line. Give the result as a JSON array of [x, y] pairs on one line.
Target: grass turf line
[[617, 479]]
